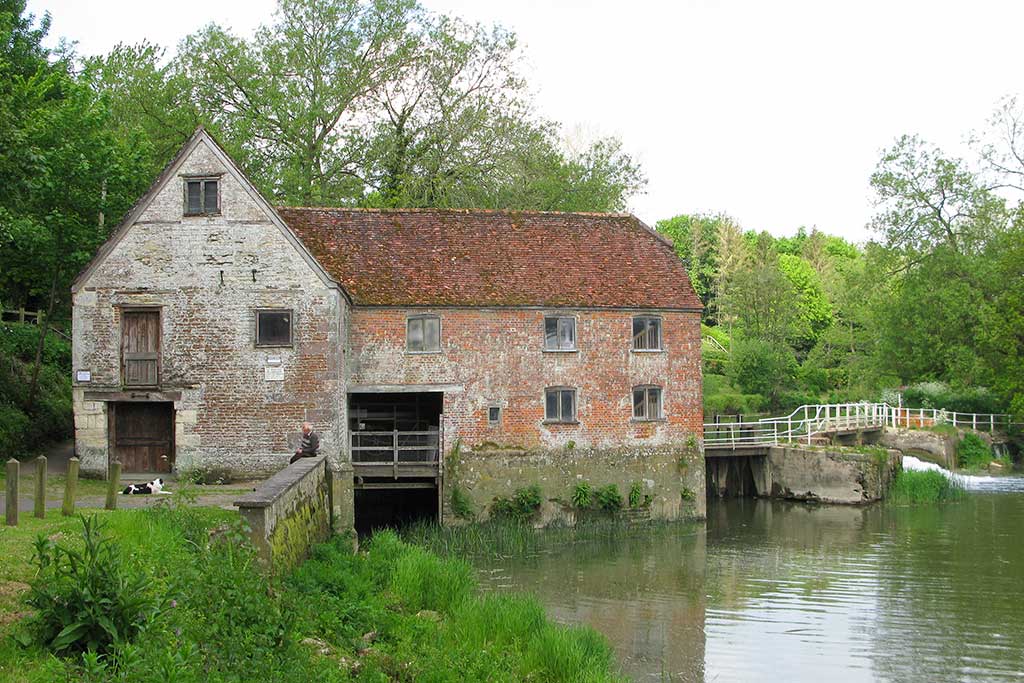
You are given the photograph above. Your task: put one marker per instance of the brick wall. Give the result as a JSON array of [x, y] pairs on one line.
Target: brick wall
[[200, 271], [495, 357]]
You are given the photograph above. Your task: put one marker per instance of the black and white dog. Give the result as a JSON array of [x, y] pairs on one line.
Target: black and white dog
[[155, 486]]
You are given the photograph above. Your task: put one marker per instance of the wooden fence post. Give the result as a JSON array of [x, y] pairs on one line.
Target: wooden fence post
[[113, 485], [70, 487], [40, 509], [12, 492]]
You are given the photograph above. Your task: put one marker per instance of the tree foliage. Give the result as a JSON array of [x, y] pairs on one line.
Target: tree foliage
[[374, 103]]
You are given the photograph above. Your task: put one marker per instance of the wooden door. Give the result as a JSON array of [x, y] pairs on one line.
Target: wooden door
[[143, 436], [140, 348]]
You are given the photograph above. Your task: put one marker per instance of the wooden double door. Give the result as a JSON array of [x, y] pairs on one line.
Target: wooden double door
[[142, 436]]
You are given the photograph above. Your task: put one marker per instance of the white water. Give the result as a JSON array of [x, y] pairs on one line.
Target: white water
[[970, 482]]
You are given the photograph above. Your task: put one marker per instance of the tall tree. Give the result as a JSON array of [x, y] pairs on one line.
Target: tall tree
[[368, 102], [65, 172]]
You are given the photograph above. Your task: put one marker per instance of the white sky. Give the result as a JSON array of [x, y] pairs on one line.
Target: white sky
[[774, 111]]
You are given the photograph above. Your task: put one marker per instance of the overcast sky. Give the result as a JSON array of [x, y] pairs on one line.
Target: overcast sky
[[774, 111]]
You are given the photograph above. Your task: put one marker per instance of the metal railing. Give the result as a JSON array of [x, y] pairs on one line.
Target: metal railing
[[808, 421]]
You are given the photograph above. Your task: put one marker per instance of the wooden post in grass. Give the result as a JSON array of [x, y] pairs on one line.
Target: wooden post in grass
[[12, 492], [70, 486], [40, 509], [113, 485]]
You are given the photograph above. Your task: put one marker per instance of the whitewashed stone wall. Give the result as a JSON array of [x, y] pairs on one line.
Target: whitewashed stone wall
[[209, 275]]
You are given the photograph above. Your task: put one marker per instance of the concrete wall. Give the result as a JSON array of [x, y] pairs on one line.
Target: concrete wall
[[921, 443], [231, 416], [827, 476], [671, 475], [295, 509], [496, 357]]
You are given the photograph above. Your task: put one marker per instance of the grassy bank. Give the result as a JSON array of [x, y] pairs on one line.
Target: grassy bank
[[397, 612], [912, 487]]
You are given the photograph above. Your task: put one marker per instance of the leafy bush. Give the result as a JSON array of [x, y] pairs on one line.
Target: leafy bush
[[462, 506], [972, 452], [523, 504], [583, 495], [636, 494], [608, 498], [14, 426], [762, 367], [962, 400], [20, 340], [929, 486], [88, 600]]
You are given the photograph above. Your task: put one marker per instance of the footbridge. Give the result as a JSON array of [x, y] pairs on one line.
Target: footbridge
[[811, 424]]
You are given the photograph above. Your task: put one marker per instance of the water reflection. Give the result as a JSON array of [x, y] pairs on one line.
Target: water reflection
[[772, 591]]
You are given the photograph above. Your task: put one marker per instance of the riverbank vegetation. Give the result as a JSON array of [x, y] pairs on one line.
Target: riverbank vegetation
[[931, 306], [913, 487], [175, 594]]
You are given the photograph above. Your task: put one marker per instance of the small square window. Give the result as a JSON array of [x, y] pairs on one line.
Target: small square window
[[647, 403], [273, 328], [560, 405], [646, 334], [202, 196], [494, 415], [559, 334], [423, 334]]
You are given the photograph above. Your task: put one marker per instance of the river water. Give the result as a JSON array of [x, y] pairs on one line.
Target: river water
[[775, 591]]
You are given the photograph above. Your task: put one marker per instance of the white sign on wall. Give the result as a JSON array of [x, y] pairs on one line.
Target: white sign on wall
[[83, 376], [273, 374]]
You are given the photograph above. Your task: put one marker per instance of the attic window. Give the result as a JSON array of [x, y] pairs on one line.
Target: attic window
[[202, 196]]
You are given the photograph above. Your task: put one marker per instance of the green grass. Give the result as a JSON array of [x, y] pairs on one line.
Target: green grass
[[912, 487], [972, 453], [944, 429], [54, 484], [394, 613]]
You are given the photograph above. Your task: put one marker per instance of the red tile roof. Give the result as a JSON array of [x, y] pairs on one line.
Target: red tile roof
[[458, 257]]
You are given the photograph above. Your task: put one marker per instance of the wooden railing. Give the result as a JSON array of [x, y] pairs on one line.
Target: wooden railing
[[395, 448]]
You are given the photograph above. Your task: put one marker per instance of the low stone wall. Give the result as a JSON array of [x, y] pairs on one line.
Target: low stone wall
[[296, 508], [827, 476], [921, 443], [671, 476]]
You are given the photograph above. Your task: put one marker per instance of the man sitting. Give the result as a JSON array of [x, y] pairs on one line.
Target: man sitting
[[309, 445]]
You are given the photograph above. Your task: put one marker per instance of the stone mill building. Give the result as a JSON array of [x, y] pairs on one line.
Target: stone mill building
[[437, 351]]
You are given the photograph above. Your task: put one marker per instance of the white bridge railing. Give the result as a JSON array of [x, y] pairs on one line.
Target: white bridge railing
[[808, 421]]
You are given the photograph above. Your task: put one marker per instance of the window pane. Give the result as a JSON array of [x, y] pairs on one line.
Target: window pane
[[639, 404], [194, 202], [210, 196], [567, 333], [654, 403], [647, 333], [274, 327], [550, 333], [551, 404], [568, 405], [431, 334], [494, 414], [415, 334]]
